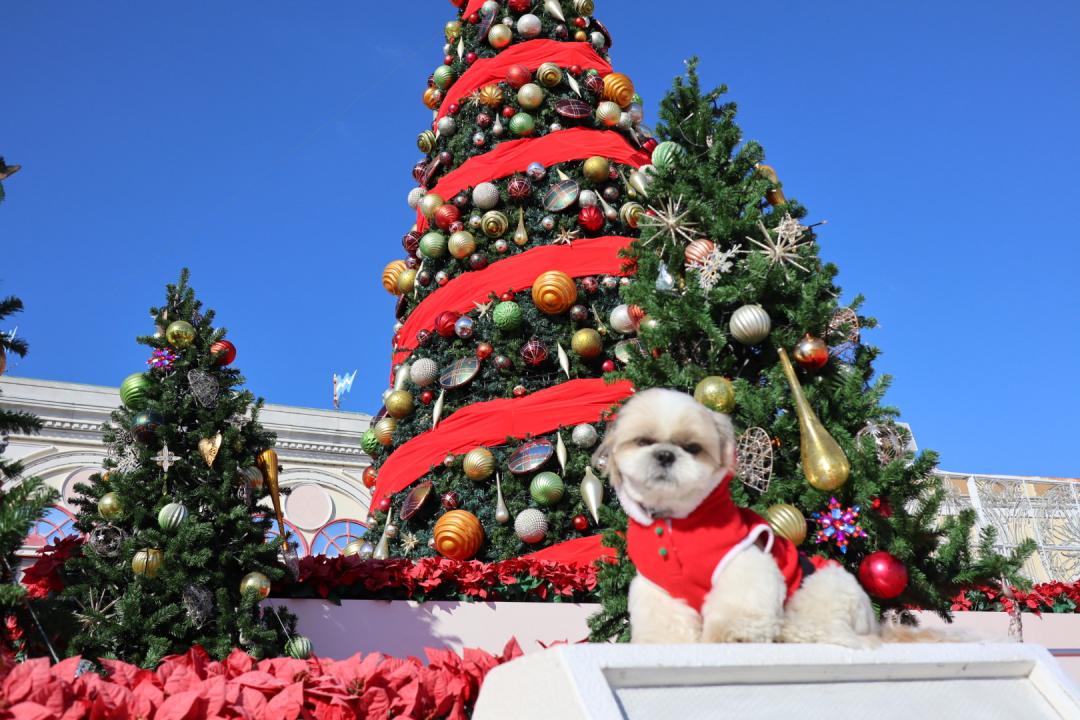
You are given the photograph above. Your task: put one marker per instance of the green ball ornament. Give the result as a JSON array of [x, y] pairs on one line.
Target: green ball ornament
[[667, 154], [133, 391], [507, 316], [299, 647], [172, 516], [433, 245], [369, 443], [522, 125], [443, 77], [547, 488], [716, 393], [180, 334]]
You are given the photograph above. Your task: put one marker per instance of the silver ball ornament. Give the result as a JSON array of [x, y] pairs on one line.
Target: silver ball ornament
[[530, 96], [620, 319], [475, 221], [485, 196], [588, 198], [415, 196], [366, 551], [464, 327], [447, 126], [489, 8], [584, 436], [529, 26], [501, 246], [536, 171], [531, 526], [555, 127], [424, 372], [398, 325], [548, 223], [750, 324], [598, 40], [637, 112], [626, 121], [479, 139]]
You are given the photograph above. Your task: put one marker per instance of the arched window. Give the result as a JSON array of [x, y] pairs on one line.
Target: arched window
[[292, 534], [334, 536], [56, 524]]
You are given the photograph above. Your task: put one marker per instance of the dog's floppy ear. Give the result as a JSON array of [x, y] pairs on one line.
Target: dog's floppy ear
[[725, 433]]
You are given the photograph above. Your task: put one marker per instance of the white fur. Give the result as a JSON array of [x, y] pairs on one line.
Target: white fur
[[746, 602]]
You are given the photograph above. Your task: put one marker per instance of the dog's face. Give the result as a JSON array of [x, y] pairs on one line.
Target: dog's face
[[666, 453]]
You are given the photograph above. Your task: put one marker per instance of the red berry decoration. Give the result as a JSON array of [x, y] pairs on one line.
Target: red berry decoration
[[517, 76], [451, 500], [520, 391], [444, 323], [223, 352], [811, 353], [446, 216], [383, 505], [370, 476], [427, 397], [883, 575], [534, 353], [591, 218], [484, 350], [519, 189], [581, 523], [608, 366]]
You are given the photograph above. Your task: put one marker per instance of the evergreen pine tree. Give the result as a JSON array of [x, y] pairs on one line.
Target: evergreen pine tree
[[172, 530], [6, 171], [23, 500], [539, 189]]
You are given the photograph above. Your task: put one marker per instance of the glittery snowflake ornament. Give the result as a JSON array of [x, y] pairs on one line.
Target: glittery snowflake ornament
[[838, 525], [718, 263], [670, 222], [162, 359], [784, 248]]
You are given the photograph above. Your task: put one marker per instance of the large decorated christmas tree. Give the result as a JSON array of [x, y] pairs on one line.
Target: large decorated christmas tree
[[177, 551], [563, 255]]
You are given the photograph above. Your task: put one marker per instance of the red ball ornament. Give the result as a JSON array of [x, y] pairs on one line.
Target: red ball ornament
[[579, 313], [223, 352], [581, 523], [478, 261], [575, 69], [534, 353], [470, 58], [520, 6], [519, 189], [484, 350], [451, 500], [608, 366], [473, 18], [508, 112], [370, 476], [444, 323], [811, 353], [578, 22], [517, 76], [591, 218], [503, 363], [507, 296], [590, 285], [427, 397], [383, 505], [883, 575], [411, 242], [649, 145], [483, 120], [423, 337], [446, 216], [453, 108], [448, 60]]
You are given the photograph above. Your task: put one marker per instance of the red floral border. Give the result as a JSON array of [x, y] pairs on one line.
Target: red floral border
[[1051, 597]]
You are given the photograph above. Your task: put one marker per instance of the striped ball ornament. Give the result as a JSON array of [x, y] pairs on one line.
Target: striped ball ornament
[[299, 647], [699, 251], [547, 488], [750, 324], [172, 516]]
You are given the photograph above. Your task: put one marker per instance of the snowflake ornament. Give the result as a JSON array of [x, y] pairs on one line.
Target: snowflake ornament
[[838, 525], [162, 359], [718, 263], [784, 248], [670, 222]]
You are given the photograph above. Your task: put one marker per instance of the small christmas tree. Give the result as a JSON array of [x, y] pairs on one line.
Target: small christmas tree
[[176, 552], [22, 500]]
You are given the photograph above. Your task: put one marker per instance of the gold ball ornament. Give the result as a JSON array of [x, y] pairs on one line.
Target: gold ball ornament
[[458, 535], [429, 204], [716, 393], [257, 582], [787, 522], [399, 404], [491, 96], [608, 114], [109, 506], [462, 244], [554, 292], [384, 431], [479, 464], [406, 281], [453, 30], [584, 7], [549, 75], [597, 169], [390, 276], [147, 562], [619, 89], [432, 98], [180, 334], [587, 343], [530, 96], [499, 36]]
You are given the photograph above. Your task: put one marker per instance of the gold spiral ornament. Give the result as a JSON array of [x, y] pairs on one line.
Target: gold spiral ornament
[[494, 224], [787, 522], [390, 276], [458, 535], [479, 464], [554, 292], [426, 141], [549, 75], [384, 431], [584, 7], [462, 244], [619, 89], [491, 95], [432, 98], [631, 213], [699, 251]]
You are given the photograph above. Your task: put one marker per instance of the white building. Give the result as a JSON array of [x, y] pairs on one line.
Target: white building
[[318, 449]]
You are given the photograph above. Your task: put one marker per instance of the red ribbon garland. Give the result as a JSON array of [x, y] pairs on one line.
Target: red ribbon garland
[[596, 256], [491, 423], [516, 155], [473, 7], [579, 551], [531, 54]]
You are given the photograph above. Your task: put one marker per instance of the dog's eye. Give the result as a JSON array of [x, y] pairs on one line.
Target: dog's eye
[[692, 448], [644, 442]]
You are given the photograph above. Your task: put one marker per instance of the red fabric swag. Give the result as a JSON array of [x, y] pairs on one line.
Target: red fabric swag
[[514, 156], [596, 256], [490, 423], [473, 7], [531, 54], [579, 551]]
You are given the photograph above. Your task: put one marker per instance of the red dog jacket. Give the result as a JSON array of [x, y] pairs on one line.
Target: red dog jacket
[[684, 556]]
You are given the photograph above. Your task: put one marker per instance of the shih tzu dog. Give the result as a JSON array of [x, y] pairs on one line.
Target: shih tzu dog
[[709, 571]]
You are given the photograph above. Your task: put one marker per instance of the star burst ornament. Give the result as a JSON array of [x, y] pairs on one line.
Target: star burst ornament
[[838, 525], [784, 248], [483, 309], [565, 237], [409, 543], [162, 359], [718, 263], [670, 222]]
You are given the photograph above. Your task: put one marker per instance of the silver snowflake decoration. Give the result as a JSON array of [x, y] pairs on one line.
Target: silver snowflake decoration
[[409, 543], [165, 458], [204, 387], [198, 603], [888, 444], [784, 248], [122, 450], [565, 237], [670, 222], [755, 455], [106, 540], [718, 263]]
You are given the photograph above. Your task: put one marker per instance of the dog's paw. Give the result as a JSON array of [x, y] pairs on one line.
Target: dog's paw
[[746, 603], [831, 607]]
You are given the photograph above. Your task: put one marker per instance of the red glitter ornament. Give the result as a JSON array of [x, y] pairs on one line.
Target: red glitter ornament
[[427, 397], [453, 108], [518, 75], [520, 391], [484, 350], [519, 189], [608, 366], [581, 523], [223, 352], [370, 476], [883, 575], [451, 500], [446, 216], [590, 218], [534, 353], [444, 323]]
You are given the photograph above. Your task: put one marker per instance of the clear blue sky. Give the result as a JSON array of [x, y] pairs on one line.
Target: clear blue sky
[[268, 146]]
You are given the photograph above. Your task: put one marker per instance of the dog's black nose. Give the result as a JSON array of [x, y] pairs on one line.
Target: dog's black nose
[[664, 457]]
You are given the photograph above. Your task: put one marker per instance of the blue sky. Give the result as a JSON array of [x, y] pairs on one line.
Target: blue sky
[[268, 146]]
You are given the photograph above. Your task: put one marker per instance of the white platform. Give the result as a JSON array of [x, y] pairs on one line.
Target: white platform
[[809, 682]]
